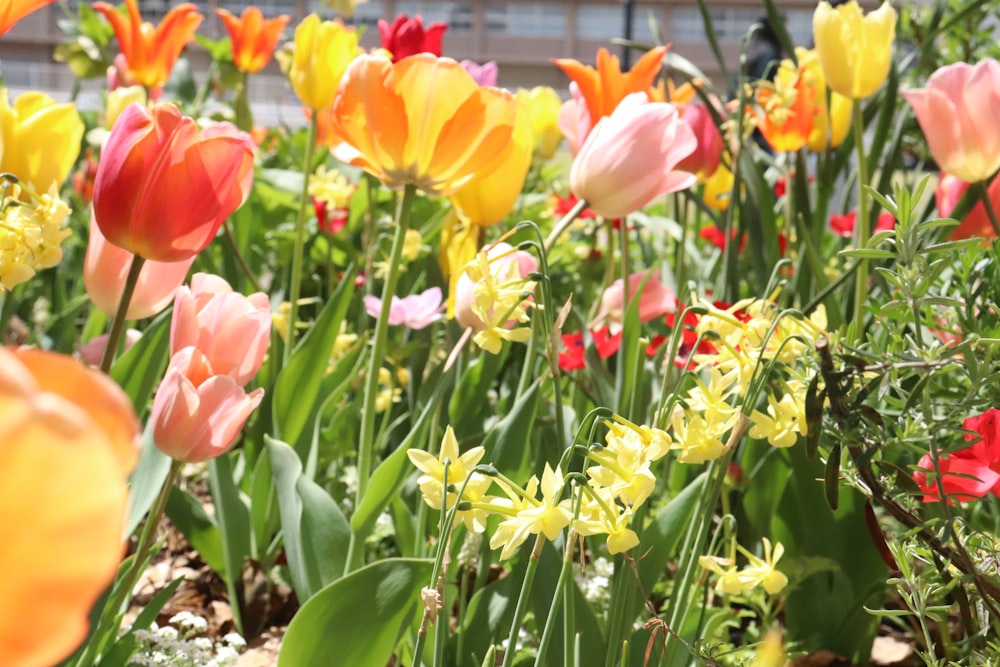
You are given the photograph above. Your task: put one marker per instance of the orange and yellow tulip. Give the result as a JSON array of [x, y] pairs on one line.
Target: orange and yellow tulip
[[67, 442], [787, 109], [253, 37], [152, 51], [13, 11], [421, 121], [604, 87]]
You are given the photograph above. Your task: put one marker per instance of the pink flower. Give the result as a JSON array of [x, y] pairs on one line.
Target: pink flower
[[655, 300], [708, 155], [91, 352], [629, 157], [197, 415], [105, 267], [417, 311], [574, 119], [484, 75], [517, 264], [977, 223], [968, 473], [230, 330], [959, 112]]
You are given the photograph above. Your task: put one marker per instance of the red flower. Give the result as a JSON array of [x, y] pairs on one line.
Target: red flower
[[329, 221], [606, 343], [843, 225], [565, 204], [406, 36], [780, 187], [717, 237], [971, 472], [572, 358]]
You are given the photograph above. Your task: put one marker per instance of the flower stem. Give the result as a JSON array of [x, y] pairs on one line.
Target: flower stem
[[366, 443], [300, 238], [122, 589], [522, 600], [118, 323], [240, 258], [558, 597], [991, 212], [564, 224], [862, 230]]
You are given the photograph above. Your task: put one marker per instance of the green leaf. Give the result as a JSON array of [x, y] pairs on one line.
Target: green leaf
[[233, 519], [145, 481], [507, 443], [316, 533], [189, 517], [139, 369], [357, 620]]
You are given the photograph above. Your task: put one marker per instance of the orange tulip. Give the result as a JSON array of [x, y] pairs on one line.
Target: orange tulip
[[163, 188], [787, 109], [67, 441], [12, 11], [420, 121], [151, 52], [253, 37], [603, 88]]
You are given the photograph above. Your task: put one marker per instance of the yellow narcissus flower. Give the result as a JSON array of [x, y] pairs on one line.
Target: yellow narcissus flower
[[784, 422], [543, 105], [31, 235], [855, 50], [323, 50], [488, 200], [763, 571], [530, 516], [40, 139], [832, 121]]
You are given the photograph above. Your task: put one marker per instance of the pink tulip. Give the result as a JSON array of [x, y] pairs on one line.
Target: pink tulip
[[106, 266], [198, 415], [91, 352], [629, 157], [485, 74], [959, 112], [574, 119], [950, 190], [232, 331], [655, 300], [708, 155], [464, 290], [417, 311]]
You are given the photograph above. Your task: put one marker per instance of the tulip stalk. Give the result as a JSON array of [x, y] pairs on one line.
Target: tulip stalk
[[983, 190], [300, 238], [564, 224], [118, 323], [862, 230]]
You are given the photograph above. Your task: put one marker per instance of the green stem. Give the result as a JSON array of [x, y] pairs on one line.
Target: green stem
[[991, 212], [300, 238], [241, 105], [240, 257], [522, 601], [122, 589], [861, 230], [118, 323], [564, 224], [366, 444], [557, 598]]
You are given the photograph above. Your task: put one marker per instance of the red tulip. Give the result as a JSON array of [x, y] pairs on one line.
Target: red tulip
[[971, 472], [406, 36], [977, 223], [162, 189]]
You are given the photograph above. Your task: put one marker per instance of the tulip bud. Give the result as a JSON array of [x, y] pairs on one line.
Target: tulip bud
[[854, 49]]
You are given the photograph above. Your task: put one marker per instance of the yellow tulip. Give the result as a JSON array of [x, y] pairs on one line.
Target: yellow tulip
[[718, 189], [422, 121], [118, 99], [543, 105], [855, 50], [486, 201], [40, 139], [459, 243], [323, 50], [831, 122]]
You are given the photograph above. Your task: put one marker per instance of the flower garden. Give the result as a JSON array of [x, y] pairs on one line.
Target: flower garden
[[649, 370]]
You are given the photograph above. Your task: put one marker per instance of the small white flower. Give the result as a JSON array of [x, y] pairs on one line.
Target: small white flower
[[235, 640]]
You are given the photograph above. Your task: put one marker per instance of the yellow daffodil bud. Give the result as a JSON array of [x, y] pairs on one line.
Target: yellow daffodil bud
[[855, 50], [40, 139], [543, 105], [323, 50], [832, 120]]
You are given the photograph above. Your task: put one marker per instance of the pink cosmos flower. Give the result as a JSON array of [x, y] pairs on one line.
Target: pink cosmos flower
[[655, 300], [417, 311], [630, 157]]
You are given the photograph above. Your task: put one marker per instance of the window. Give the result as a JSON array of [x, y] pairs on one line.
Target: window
[[604, 22], [368, 13], [526, 20], [458, 15], [730, 24]]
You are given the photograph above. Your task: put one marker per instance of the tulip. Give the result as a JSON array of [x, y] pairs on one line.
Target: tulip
[[977, 222], [505, 263], [408, 36], [959, 112], [253, 38], [13, 11], [151, 52], [92, 351], [152, 155], [655, 300], [196, 414], [40, 139], [574, 119], [68, 440], [543, 106], [488, 200], [968, 473], [484, 75], [421, 121], [606, 86], [708, 155], [830, 122], [417, 311], [323, 50], [787, 109], [119, 99], [629, 157], [854, 49], [105, 267], [232, 331]]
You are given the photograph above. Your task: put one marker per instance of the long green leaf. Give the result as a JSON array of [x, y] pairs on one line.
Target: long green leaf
[[139, 369], [189, 517], [233, 519]]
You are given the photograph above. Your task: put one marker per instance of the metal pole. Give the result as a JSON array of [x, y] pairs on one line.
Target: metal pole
[[626, 51]]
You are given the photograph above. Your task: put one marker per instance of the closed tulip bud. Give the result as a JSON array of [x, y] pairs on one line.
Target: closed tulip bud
[[629, 157], [959, 112], [232, 331], [407, 36], [543, 105], [152, 155], [40, 139], [323, 50], [854, 49], [105, 267], [655, 300], [118, 100], [708, 155]]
